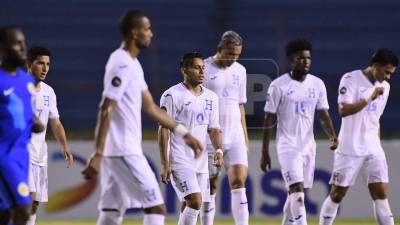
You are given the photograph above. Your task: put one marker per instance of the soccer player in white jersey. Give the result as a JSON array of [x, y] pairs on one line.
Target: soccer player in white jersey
[[127, 180], [293, 99], [362, 99], [196, 107], [227, 78], [45, 107]]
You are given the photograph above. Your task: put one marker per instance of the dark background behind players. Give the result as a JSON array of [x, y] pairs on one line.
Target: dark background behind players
[[82, 33]]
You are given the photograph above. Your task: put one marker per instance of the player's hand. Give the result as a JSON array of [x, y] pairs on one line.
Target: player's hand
[[194, 144], [378, 91], [37, 126], [93, 166], [69, 158], [165, 174], [334, 143], [218, 159], [265, 163]]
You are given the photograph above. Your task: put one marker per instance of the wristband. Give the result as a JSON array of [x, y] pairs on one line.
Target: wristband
[[219, 151], [181, 130]]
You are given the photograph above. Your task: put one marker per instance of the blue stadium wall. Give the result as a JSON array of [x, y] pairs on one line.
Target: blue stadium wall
[[82, 33]]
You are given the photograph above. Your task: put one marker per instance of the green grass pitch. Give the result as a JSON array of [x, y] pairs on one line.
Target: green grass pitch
[[265, 221]]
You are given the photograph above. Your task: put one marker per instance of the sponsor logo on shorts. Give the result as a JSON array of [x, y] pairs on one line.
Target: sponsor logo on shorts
[[184, 186], [151, 195], [23, 189], [287, 176], [337, 178]]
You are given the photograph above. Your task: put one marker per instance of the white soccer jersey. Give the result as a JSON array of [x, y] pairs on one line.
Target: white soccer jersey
[[359, 133], [197, 113], [124, 83], [45, 107], [295, 103], [230, 86]]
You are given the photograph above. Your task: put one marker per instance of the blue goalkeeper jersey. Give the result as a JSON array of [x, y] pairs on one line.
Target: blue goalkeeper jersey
[[16, 119]]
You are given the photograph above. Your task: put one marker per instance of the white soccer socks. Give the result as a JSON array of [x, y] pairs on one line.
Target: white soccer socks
[[110, 218], [287, 214], [383, 214], [240, 209], [207, 211], [328, 212], [188, 216], [153, 219], [32, 220], [298, 208]]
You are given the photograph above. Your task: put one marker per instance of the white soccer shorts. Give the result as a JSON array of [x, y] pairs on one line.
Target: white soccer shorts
[[128, 182], [186, 182], [373, 168], [297, 167], [234, 154], [38, 182]]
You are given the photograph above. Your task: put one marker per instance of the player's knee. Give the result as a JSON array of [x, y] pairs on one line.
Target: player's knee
[[379, 195], [35, 206], [337, 194], [213, 186], [297, 187], [237, 182], [194, 201], [158, 209]]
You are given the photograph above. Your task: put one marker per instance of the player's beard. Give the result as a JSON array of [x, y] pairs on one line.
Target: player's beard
[[13, 62], [141, 46]]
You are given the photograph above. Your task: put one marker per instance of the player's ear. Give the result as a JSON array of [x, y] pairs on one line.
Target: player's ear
[[134, 33], [183, 70]]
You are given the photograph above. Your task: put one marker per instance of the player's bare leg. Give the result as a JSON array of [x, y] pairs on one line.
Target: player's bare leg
[[20, 214], [331, 204], [35, 205], [190, 209], [4, 217], [237, 175], [154, 215], [383, 213], [296, 202]]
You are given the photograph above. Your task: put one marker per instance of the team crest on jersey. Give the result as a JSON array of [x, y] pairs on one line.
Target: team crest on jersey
[[343, 90], [23, 189], [31, 88], [116, 81]]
